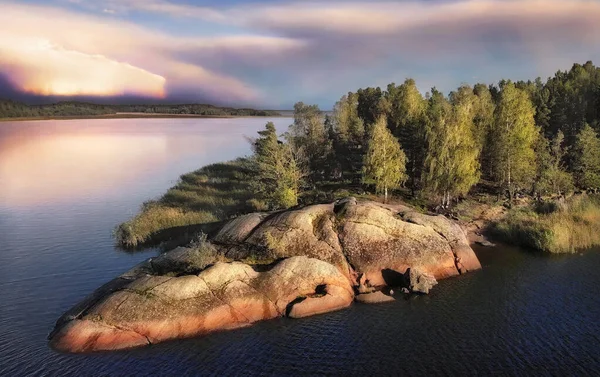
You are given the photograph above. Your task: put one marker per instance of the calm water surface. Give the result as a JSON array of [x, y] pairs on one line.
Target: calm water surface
[[65, 185]]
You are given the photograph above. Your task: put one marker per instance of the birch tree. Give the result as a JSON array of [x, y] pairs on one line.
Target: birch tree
[[451, 162], [514, 137], [385, 162], [587, 160]]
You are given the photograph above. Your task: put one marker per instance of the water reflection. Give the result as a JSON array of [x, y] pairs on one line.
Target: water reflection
[[54, 161]]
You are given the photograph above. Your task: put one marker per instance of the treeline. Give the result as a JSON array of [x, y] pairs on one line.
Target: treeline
[[10, 109], [520, 137]]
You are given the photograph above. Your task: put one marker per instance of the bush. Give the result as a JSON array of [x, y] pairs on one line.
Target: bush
[[556, 228]]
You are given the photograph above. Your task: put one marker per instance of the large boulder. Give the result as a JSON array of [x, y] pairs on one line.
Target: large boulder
[[154, 308], [292, 263]]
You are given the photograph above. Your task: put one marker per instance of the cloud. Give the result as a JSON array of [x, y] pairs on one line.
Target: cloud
[[272, 54], [39, 67], [154, 6], [352, 44], [53, 51]]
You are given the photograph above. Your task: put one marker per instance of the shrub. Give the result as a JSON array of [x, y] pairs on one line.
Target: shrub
[[556, 228]]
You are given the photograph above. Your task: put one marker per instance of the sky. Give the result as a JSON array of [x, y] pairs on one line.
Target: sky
[[271, 54]]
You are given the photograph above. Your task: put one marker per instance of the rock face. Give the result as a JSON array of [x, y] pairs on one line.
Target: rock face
[[293, 263]]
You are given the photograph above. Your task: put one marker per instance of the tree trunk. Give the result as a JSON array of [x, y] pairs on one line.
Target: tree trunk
[[510, 193], [385, 195]]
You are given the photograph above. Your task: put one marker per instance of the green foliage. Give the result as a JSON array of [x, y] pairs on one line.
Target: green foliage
[[278, 174], [385, 162], [407, 119], [451, 163], [551, 177], [370, 106], [348, 136], [308, 140], [483, 124], [573, 101], [587, 159], [513, 139]]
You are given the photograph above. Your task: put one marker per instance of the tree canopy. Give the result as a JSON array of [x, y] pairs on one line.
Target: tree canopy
[[384, 161]]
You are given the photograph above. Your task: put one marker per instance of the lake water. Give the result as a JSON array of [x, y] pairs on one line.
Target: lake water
[[65, 185]]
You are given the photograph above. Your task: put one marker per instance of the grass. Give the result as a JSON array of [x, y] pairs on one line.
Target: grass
[[555, 227], [212, 193]]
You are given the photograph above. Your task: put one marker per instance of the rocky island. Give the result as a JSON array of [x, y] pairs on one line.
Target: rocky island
[[296, 263]]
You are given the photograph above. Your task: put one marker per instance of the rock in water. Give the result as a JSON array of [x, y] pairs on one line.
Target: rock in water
[[485, 243], [374, 297], [419, 281], [292, 263]]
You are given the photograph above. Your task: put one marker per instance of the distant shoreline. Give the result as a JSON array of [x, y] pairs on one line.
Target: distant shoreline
[[137, 116]]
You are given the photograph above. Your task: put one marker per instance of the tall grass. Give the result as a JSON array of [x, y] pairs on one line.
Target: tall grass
[[555, 227], [212, 193]]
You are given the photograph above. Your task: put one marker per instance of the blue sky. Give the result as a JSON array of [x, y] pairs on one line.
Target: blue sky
[[271, 54]]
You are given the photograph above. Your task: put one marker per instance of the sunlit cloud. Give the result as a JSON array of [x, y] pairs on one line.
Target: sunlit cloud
[[37, 66], [272, 54], [47, 50]]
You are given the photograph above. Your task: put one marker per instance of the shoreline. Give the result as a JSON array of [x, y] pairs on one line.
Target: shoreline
[[137, 116]]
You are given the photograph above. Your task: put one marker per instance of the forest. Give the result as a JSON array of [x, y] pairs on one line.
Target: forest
[[11, 109], [514, 138]]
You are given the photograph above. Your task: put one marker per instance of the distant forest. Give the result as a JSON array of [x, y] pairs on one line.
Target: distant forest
[[11, 109]]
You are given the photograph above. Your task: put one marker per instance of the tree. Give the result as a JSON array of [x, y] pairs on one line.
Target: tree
[[278, 173], [308, 137], [385, 162], [551, 176], [587, 159], [406, 119], [348, 134], [513, 137], [451, 162], [483, 124], [369, 104]]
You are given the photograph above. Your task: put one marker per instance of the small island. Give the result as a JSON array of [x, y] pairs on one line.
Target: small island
[[379, 199], [293, 263]]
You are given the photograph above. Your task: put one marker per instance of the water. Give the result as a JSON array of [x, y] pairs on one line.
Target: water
[[65, 185]]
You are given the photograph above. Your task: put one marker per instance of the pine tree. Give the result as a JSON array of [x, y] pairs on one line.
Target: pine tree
[[587, 160], [451, 163], [513, 139], [551, 176], [349, 134], [308, 137], [483, 123], [406, 119], [278, 174], [369, 104], [385, 162]]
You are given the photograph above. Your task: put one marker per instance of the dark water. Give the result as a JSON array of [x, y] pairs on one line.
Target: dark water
[[63, 187]]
